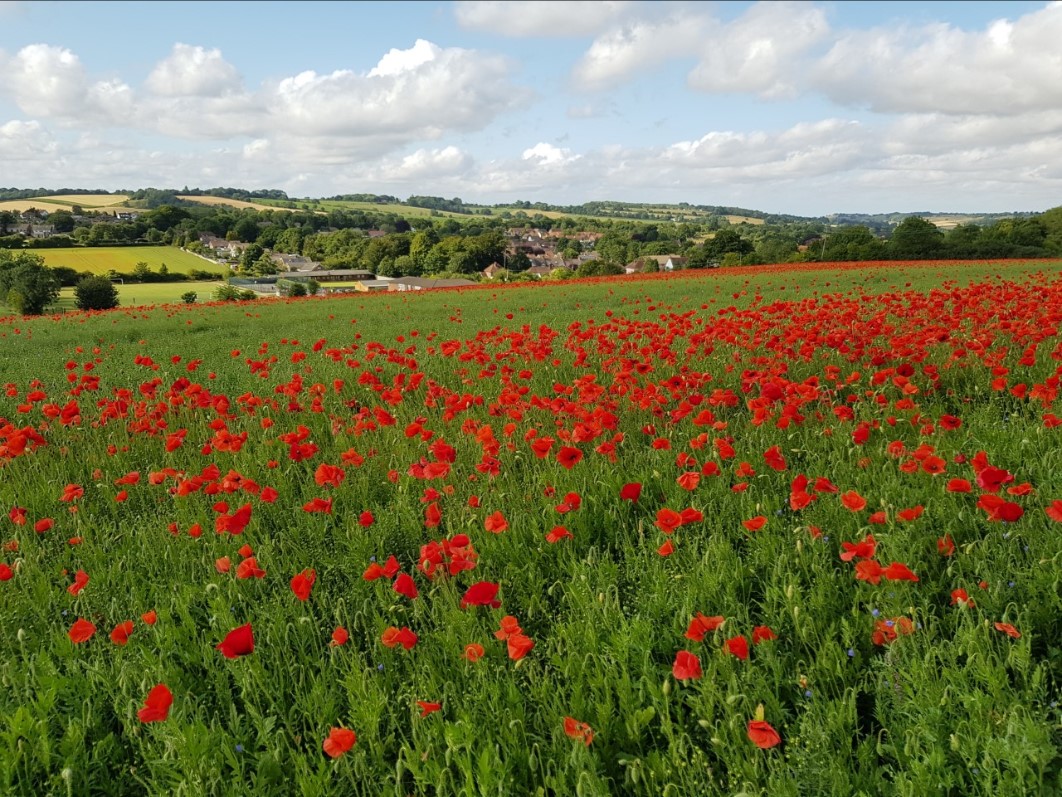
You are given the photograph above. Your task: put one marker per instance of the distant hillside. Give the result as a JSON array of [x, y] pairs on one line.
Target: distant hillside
[[714, 216]]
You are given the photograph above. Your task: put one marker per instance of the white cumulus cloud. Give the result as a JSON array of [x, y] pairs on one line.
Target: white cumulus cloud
[[192, 71], [1009, 67]]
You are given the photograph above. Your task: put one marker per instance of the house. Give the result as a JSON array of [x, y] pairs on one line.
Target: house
[[424, 284], [663, 262], [295, 262], [490, 271], [539, 271]]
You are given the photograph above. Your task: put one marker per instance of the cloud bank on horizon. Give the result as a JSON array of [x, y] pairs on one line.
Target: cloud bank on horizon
[[796, 107]]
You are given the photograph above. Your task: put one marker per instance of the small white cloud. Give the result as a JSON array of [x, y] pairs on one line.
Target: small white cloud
[[548, 155], [525, 18], [395, 62], [194, 72]]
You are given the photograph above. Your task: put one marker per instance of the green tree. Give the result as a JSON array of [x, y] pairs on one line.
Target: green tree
[[189, 297], [141, 271], [96, 293], [26, 284], [916, 239], [251, 254], [246, 229], [727, 241], [62, 221]]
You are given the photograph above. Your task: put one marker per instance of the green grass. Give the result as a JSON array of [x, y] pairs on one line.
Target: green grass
[[123, 259], [134, 294], [221, 401]]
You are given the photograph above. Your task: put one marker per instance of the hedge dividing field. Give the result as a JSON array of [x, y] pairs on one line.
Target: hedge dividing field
[[779, 531]]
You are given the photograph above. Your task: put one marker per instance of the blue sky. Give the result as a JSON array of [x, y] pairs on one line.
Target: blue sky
[[795, 107]]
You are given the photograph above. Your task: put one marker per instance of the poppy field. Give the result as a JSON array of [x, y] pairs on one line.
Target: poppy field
[[791, 530]]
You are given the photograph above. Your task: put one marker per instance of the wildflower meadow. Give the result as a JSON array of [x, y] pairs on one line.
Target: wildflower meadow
[[789, 530]]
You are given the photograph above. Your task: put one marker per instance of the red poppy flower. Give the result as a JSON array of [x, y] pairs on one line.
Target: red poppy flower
[[959, 486], [393, 637], [1055, 510], [897, 571], [427, 708], [81, 631], [579, 731], [121, 632], [907, 515], [763, 735], [156, 705], [339, 637], [859, 550], [482, 593], [762, 633], [81, 579], [330, 475], [238, 642], [853, 501], [1008, 629], [339, 741], [6, 573], [432, 516], [689, 480], [496, 523], [249, 568], [755, 523], [43, 525], [518, 646], [569, 457], [302, 584], [404, 585], [150, 617], [666, 549], [868, 570], [631, 492], [321, 505], [999, 509], [667, 520], [366, 519], [945, 545], [961, 596], [223, 564], [686, 666], [701, 625], [557, 534], [738, 646], [473, 652]]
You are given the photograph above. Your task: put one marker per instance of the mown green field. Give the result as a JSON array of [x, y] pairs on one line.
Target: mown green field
[[776, 531], [123, 259], [137, 294]]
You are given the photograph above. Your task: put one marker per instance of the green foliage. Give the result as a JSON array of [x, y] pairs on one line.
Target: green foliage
[[189, 297], [231, 293], [916, 239], [96, 293], [26, 284]]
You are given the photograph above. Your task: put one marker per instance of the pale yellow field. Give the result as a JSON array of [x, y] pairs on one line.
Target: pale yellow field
[[235, 203], [63, 202], [20, 205], [89, 200], [747, 219], [950, 222]]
